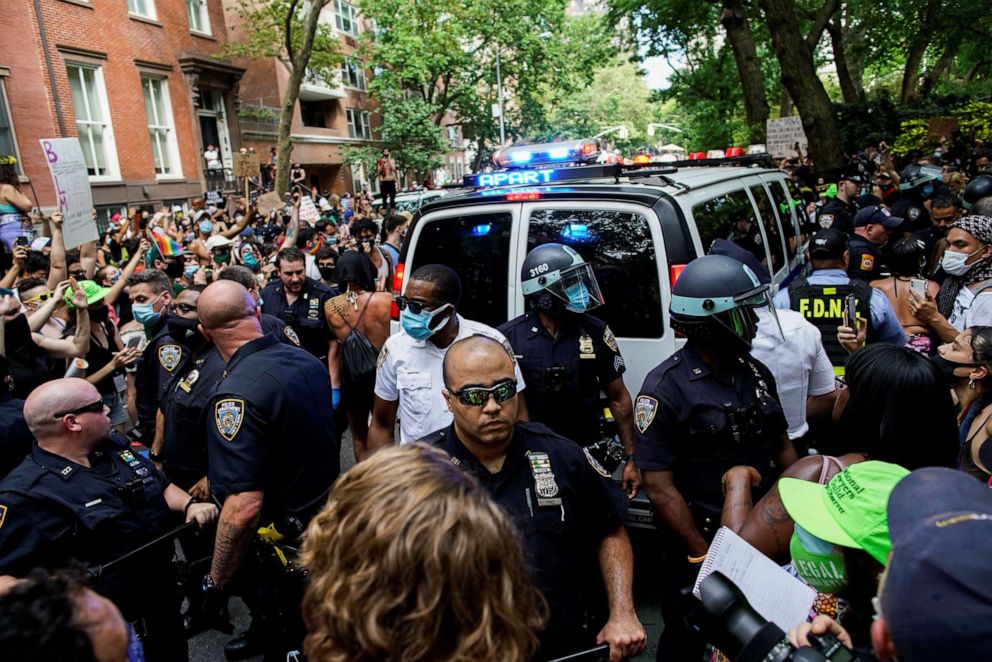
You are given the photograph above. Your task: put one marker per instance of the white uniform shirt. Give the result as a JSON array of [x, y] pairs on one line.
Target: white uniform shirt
[[798, 362], [410, 371], [970, 310]]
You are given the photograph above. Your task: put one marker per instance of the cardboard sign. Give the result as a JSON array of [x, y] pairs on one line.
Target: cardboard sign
[[72, 189], [941, 127], [215, 197], [782, 134], [245, 165], [269, 202], [308, 210]]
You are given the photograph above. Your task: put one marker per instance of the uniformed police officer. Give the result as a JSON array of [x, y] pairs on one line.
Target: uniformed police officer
[[917, 184], [873, 226], [566, 356], [705, 409], [272, 456], [151, 296], [839, 211], [568, 511], [82, 494]]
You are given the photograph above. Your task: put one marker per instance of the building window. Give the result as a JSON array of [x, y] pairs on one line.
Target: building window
[[345, 17], [8, 144], [96, 135], [453, 136], [353, 75], [161, 130], [199, 17], [359, 125], [312, 113], [143, 8]]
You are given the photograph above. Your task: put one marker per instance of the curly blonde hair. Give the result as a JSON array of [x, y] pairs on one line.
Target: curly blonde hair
[[410, 560]]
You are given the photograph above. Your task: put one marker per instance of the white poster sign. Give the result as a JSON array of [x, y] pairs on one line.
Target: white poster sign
[[782, 135], [308, 210], [72, 189]]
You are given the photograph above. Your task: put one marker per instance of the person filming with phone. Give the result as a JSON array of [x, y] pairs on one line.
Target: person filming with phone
[[906, 259]]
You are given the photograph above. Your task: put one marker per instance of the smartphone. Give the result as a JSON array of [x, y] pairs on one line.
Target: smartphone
[[919, 285], [21, 241], [851, 312]]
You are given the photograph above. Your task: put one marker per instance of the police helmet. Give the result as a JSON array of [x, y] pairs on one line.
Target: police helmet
[[560, 271], [717, 291], [978, 188], [916, 176]]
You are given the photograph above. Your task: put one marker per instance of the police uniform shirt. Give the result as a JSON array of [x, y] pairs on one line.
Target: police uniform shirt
[[883, 316], [160, 360], [685, 420], [53, 510], [564, 373], [278, 328], [563, 503], [409, 371], [270, 428], [15, 437], [305, 315], [837, 214], [865, 259], [914, 211]]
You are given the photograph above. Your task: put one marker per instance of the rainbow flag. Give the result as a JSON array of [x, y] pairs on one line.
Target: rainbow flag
[[166, 245], [315, 247]]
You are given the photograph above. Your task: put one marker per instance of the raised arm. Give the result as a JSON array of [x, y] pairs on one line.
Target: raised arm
[[58, 270], [118, 288]]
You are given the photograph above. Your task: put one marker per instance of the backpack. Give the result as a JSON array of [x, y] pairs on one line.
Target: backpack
[[358, 355]]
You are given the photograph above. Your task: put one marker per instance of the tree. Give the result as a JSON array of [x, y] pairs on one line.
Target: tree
[[291, 32]]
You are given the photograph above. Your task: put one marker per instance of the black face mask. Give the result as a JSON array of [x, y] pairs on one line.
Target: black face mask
[[99, 314], [185, 331], [947, 369], [549, 304], [174, 269], [327, 273]]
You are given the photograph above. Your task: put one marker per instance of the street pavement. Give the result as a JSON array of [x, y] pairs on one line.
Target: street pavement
[[209, 646]]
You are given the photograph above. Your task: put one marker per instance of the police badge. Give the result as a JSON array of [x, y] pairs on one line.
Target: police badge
[[544, 478], [586, 349], [228, 416], [169, 356], [644, 412]]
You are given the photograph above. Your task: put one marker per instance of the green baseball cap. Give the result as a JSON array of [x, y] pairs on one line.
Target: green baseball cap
[[850, 510], [94, 292]]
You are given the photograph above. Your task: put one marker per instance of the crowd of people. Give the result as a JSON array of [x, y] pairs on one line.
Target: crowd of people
[[173, 398]]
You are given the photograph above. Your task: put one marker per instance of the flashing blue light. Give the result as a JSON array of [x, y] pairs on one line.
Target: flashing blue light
[[577, 231], [558, 153], [482, 230], [520, 157], [515, 177]]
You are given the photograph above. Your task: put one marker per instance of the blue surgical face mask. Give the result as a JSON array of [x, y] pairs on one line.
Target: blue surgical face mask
[[250, 261], [578, 298], [190, 270], [145, 313], [206, 227], [419, 326]]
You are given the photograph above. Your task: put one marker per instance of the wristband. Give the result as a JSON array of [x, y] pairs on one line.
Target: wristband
[[696, 560], [189, 503]]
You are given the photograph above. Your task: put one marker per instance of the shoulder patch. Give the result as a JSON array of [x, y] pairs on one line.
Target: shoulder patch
[[644, 412], [228, 416], [3, 515], [382, 357], [169, 356], [291, 335], [913, 213], [825, 220], [867, 262], [509, 350], [610, 339], [594, 463]]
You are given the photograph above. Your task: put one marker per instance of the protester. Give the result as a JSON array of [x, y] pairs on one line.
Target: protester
[[906, 259], [966, 364]]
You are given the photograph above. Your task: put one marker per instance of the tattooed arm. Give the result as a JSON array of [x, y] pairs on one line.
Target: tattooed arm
[[237, 524]]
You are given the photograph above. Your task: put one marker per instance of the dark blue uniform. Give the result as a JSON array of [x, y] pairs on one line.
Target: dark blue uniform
[[15, 437], [865, 260], [162, 357], [53, 510], [305, 315], [907, 206], [837, 214], [564, 504], [564, 374]]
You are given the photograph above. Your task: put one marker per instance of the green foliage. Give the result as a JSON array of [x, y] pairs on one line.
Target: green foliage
[[974, 124]]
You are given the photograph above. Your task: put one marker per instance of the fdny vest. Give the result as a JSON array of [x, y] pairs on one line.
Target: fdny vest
[[823, 306]]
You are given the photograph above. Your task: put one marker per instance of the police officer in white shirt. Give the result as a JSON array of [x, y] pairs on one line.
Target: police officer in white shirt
[[409, 377]]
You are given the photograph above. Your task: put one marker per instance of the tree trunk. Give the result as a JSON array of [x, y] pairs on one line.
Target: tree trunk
[[300, 59], [799, 77], [974, 69], [848, 88], [918, 45], [940, 68], [784, 103], [820, 22], [734, 21]]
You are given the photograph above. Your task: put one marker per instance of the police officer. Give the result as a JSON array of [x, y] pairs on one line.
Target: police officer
[[568, 511], [839, 211], [917, 184], [708, 407], [83, 494], [820, 297], [151, 296], [299, 301], [566, 356], [272, 456], [873, 226]]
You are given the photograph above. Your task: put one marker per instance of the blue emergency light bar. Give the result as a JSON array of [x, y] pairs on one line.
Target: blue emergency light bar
[[533, 176], [559, 153]]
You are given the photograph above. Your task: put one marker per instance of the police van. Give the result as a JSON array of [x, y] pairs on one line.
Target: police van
[[637, 225]]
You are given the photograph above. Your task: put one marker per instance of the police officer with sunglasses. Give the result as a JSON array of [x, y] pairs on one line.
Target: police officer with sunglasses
[[568, 510]]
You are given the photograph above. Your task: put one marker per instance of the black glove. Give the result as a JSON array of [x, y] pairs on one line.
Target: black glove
[[208, 610]]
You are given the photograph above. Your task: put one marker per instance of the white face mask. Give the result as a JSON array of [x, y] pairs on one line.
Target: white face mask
[[955, 263]]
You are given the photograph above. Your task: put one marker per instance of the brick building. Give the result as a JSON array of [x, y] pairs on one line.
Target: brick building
[[136, 80]]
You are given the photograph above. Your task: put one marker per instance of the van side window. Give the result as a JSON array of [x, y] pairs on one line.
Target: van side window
[[730, 216], [784, 207], [770, 222], [477, 247], [619, 247]]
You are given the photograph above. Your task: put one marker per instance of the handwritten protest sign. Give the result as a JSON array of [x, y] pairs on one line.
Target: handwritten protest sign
[[269, 202], [308, 210], [782, 135], [72, 189]]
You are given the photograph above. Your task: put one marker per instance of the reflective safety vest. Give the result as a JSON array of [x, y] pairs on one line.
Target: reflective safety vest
[[823, 306]]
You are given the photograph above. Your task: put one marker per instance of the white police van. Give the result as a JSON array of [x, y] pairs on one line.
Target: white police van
[[639, 226]]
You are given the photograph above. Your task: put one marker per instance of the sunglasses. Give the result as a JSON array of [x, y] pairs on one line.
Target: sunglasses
[[184, 308], [416, 307], [40, 298], [93, 407], [478, 396]]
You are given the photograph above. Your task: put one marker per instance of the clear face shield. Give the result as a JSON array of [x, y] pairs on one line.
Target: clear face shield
[[754, 314], [578, 288]]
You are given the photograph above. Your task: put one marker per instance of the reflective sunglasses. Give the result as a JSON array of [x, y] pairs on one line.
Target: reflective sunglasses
[[416, 307], [93, 407], [478, 396]]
